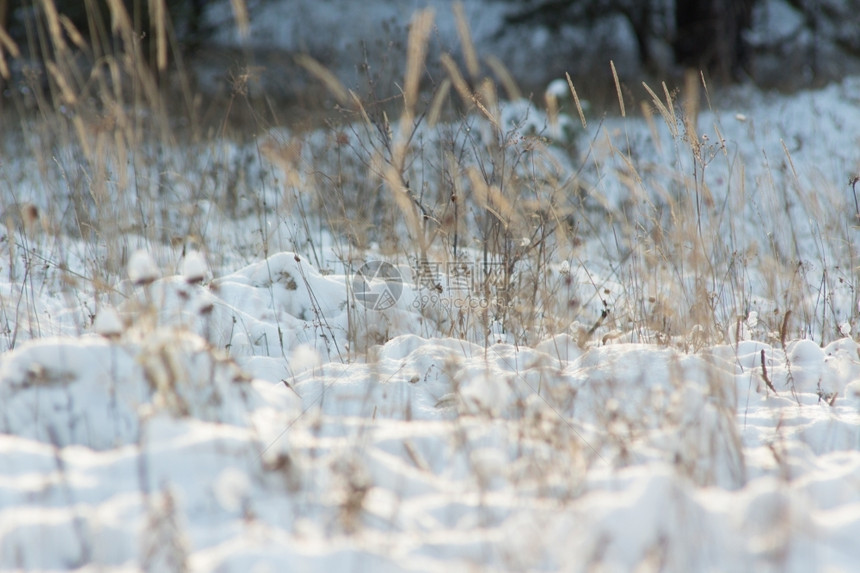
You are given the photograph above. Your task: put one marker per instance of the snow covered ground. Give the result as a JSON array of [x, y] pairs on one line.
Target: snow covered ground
[[242, 394]]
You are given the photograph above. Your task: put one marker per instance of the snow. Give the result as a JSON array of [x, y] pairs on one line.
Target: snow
[[108, 322], [194, 267], [435, 453], [238, 407], [142, 268]]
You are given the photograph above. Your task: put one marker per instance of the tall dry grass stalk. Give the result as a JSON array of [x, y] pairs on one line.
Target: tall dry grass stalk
[[101, 119], [665, 274]]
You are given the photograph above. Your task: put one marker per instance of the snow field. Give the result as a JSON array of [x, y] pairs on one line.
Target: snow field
[[657, 372], [156, 448]]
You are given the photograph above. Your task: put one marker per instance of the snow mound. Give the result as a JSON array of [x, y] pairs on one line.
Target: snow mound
[[92, 392], [434, 453]]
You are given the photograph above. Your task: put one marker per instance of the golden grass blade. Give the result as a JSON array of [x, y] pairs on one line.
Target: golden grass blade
[[438, 101], [618, 88], [469, 53], [119, 19], [670, 104], [121, 150], [81, 131], [707, 92], [721, 140], [488, 103], [73, 34], [551, 109], [240, 14], [419, 36], [790, 160], [487, 113], [7, 45], [405, 204], [648, 114], [667, 117], [159, 17], [481, 192], [691, 101], [6, 41], [287, 156], [505, 77], [323, 74], [66, 93], [457, 79], [117, 84], [490, 198], [54, 29], [576, 101], [357, 101]]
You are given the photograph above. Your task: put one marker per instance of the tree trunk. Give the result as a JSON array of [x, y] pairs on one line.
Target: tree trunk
[[710, 35]]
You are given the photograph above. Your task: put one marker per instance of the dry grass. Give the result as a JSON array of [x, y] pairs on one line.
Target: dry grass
[[437, 176]]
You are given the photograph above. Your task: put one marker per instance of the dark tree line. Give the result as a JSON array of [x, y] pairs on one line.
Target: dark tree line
[[727, 39], [709, 35], [92, 19], [703, 34]]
